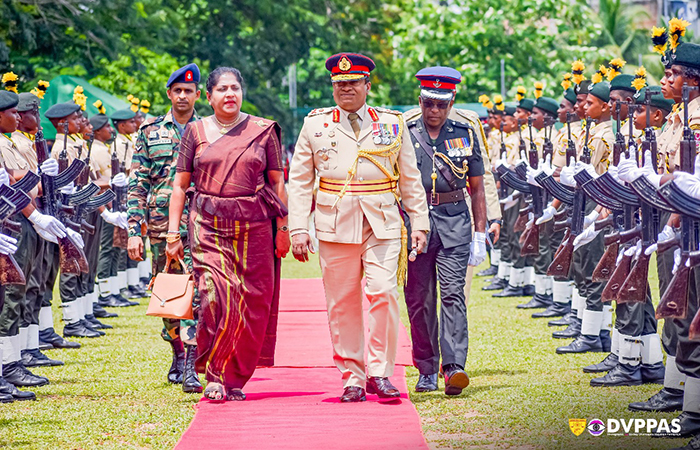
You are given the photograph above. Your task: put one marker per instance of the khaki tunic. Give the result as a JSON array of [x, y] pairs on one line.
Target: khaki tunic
[[101, 159], [25, 144], [125, 149], [74, 146]]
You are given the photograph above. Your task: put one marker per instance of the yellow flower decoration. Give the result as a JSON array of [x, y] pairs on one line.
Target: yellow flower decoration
[[134, 102], [676, 28], [538, 89], [100, 107], [129, 97], [488, 105], [79, 98], [599, 75], [566, 82], [484, 99], [659, 37], [615, 69], [498, 101], [145, 106], [40, 89], [520, 93], [10, 81], [577, 69], [640, 78]]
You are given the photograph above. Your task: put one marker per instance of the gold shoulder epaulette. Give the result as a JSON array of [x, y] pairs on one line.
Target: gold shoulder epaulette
[[387, 110], [467, 114], [319, 111], [412, 114]]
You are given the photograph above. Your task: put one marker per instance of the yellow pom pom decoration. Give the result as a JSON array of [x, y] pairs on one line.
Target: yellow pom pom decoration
[[10, 81]]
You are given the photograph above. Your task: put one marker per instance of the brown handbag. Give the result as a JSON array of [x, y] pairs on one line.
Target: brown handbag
[[172, 295]]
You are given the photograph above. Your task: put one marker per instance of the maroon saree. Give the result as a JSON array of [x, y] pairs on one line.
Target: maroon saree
[[231, 232]]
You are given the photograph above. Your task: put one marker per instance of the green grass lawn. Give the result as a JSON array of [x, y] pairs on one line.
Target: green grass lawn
[[112, 392]]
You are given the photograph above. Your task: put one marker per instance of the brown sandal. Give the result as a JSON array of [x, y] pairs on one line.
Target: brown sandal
[[235, 395], [211, 391]]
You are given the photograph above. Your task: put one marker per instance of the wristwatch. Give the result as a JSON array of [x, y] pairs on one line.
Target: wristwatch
[[135, 230], [283, 229]]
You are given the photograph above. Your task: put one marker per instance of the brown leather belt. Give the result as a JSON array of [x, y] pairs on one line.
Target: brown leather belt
[[439, 198]]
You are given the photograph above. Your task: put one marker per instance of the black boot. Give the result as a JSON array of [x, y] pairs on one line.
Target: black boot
[[689, 423], [582, 344], [565, 321], [490, 272], [52, 338], [510, 291], [77, 329], [694, 444], [7, 388], [34, 358], [190, 380], [553, 310], [620, 375], [653, 373], [496, 285], [605, 365], [537, 301], [178, 365], [571, 332], [102, 313], [666, 400], [528, 290], [96, 324], [17, 374]]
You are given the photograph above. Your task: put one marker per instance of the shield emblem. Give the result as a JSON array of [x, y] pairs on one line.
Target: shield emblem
[[577, 426]]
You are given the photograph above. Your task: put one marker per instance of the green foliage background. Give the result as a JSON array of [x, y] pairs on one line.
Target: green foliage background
[[131, 47]]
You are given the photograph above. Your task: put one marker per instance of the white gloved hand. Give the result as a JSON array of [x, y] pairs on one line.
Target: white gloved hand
[[612, 170], [638, 249], [547, 215], [123, 221], [619, 258], [49, 167], [566, 177], [49, 228], [4, 177], [590, 218], [688, 183], [8, 245], [506, 200], [547, 165], [477, 249], [676, 260], [626, 168], [120, 180], [587, 167], [631, 251], [666, 234], [76, 238], [68, 189], [531, 174], [649, 170], [114, 218], [584, 238]]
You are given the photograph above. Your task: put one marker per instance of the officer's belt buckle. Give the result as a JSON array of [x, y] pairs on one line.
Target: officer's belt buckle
[[434, 198]]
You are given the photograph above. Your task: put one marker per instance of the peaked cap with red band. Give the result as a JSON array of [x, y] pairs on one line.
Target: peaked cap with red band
[[349, 66], [439, 83], [185, 74]]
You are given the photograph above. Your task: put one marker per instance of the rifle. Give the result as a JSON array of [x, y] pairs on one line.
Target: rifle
[[522, 148], [562, 263], [619, 145], [531, 237], [72, 257], [503, 190], [674, 302], [570, 146], [13, 199], [82, 184], [121, 236]]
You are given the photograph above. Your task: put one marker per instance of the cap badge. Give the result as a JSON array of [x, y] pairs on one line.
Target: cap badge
[[437, 84], [344, 64], [189, 76]]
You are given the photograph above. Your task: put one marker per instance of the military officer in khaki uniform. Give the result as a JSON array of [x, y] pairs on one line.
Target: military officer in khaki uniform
[[363, 158]]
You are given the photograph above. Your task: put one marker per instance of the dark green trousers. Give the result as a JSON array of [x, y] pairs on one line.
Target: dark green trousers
[[584, 262], [108, 260], [51, 262]]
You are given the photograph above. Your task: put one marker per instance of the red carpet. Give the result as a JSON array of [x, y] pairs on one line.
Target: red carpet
[[295, 404]]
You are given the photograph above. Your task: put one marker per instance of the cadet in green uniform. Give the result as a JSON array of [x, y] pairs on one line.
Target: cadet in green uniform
[[150, 188]]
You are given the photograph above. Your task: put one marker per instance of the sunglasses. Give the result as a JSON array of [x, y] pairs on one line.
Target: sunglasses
[[430, 104]]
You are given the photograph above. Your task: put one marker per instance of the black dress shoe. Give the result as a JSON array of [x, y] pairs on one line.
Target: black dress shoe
[[565, 321], [490, 272], [178, 364], [51, 337], [90, 327], [653, 373], [666, 400], [7, 388], [96, 324], [427, 383], [571, 332], [5, 398], [689, 423], [19, 375], [34, 358], [620, 375], [528, 290], [190, 380], [456, 379], [537, 301], [605, 365], [123, 301], [382, 387], [77, 329], [553, 310], [136, 292], [694, 444], [582, 344], [496, 285], [110, 302], [510, 291], [102, 313], [353, 394]]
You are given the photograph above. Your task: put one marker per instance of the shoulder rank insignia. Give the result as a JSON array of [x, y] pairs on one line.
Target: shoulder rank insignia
[[373, 114], [336, 115], [319, 111], [388, 111]]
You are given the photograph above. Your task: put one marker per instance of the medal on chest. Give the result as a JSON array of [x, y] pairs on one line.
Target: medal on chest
[[384, 133]]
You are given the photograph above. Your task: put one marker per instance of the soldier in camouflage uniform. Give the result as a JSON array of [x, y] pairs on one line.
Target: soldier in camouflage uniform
[[150, 188]]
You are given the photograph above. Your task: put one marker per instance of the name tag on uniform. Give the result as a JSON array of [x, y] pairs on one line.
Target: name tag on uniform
[[160, 141], [458, 147]]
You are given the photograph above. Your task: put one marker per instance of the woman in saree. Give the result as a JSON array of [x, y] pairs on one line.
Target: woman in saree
[[230, 168]]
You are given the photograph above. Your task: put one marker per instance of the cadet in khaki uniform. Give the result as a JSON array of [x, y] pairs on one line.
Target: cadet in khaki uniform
[[362, 155]]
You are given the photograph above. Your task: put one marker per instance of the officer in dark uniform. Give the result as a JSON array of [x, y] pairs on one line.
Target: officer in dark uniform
[[449, 158]]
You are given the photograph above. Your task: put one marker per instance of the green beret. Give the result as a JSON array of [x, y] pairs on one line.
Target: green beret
[[526, 104], [509, 110], [28, 102], [98, 121], [601, 90], [687, 55], [622, 82], [583, 87], [657, 98], [548, 104], [61, 110], [123, 114], [8, 100], [570, 95], [496, 111]]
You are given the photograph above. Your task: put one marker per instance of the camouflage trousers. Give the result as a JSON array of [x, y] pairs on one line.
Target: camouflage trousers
[[173, 328]]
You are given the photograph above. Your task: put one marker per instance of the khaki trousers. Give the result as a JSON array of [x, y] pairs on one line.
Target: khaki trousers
[[343, 266]]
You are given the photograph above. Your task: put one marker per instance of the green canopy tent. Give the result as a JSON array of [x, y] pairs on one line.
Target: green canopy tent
[[61, 90]]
